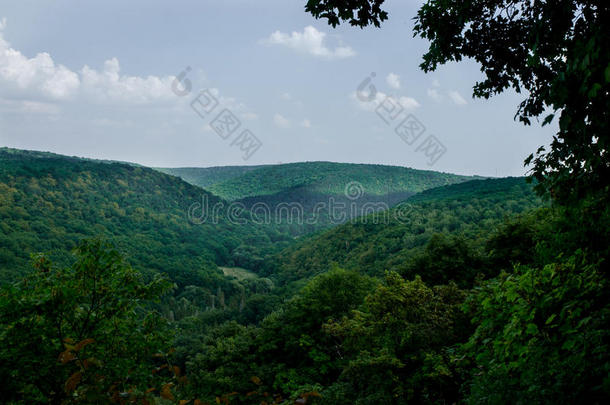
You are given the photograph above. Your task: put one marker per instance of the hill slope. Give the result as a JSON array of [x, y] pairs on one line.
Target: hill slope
[[330, 178], [306, 197], [207, 176], [379, 242], [49, 202]]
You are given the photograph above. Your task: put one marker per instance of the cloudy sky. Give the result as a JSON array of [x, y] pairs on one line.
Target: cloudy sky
[[99, 79]]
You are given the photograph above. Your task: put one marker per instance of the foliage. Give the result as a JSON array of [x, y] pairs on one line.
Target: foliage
[[345, 337], [207, 176], [356, 12], [446, 259], [80, 333], [556, 52], [396, 345], [288, 353], [49, 202], [491, 297], [328, 178], [542, 336], [377, 243]]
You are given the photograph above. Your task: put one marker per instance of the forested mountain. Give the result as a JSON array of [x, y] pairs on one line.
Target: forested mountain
[[208, 176], [330, 178], [50, 202], [306, 197], [446, 216]]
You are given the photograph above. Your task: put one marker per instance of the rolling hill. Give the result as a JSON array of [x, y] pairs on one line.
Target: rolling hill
[[327, 178], [49, 202], [208, 176], [309, 196], [392, 240]]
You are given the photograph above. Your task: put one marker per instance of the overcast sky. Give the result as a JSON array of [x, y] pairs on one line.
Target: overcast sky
[[96, 80]]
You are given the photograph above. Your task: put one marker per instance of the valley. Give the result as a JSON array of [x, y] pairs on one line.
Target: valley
[[186, 218], [272, 298]]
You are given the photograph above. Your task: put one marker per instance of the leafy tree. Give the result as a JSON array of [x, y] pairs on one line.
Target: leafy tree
[[289, 353], [80, 334], [446, 259], [514, 242], [358, 13], [396, 345], [542, 336]]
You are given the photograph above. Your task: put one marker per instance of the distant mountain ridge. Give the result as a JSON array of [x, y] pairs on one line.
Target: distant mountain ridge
[[207, 176], [315, 189], [13, 153], [238, 182]]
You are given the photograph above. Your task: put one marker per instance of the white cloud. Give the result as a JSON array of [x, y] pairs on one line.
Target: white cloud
[[110, 85], [457, 98], [434, 95], [436, 83], [393, 81], [306, 123], [310, 41], [367, 103], [41, 79], [281, 121], [40, 75], [408, 103], [233, 105]]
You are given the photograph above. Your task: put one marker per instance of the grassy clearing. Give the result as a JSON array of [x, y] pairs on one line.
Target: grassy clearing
[[238, 272]]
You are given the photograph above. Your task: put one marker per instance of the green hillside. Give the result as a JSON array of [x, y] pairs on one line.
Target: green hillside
[[330, 178], [208, 176], [49, 202], [382, 242], [302, 198]]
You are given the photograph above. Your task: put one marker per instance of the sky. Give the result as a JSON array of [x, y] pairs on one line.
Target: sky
[[199, 83]]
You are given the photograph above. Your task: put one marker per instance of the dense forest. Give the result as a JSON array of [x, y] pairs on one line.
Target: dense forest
[[330, 179], [301, 198], [51, 202], [451, 219], [468, 290], [329, 318], [208, 176]]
